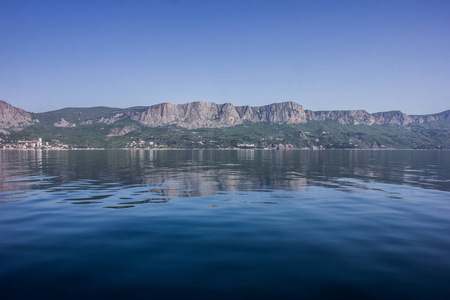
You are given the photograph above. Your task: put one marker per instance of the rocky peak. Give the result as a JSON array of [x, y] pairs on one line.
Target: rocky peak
[[13, 118]]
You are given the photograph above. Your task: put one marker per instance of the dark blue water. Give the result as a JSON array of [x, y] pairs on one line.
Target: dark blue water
[[225, 224]]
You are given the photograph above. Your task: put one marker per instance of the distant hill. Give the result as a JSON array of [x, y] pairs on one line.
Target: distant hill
[[113, 127]]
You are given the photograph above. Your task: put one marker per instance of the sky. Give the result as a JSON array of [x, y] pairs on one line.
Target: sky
[[325, 55]]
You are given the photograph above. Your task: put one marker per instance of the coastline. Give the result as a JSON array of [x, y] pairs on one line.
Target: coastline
[[223, 149]]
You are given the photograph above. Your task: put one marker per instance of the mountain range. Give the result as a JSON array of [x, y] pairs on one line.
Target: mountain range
[[114, 122]]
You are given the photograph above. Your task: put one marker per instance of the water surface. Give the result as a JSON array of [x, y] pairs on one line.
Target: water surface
[[238, 224]]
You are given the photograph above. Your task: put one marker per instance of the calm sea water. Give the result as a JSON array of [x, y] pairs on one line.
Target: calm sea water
[[225, 224]]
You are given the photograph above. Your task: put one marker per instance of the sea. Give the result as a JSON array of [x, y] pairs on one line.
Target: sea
[[224, 224]]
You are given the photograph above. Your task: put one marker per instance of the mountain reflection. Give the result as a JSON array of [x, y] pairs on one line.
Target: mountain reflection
[[156, 176]]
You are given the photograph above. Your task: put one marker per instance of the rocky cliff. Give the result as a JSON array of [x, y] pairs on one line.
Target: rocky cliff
[[211, 115], [13, 118]]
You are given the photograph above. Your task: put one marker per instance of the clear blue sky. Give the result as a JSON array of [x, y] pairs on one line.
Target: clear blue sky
[[326, 55]]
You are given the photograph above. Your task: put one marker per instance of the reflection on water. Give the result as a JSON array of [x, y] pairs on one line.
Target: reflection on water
[[224, 224], [159, 176]]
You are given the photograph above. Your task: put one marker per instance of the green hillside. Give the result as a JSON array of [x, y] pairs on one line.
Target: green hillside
[[75, 114], [327, 134]]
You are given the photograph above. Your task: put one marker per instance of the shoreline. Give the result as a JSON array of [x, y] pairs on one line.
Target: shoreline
[[222, 149]]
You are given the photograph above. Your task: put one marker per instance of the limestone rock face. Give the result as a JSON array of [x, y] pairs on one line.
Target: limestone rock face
[[392, 118], [13, 118], [122, 131], [63, 123], [432, 118], [356, 117], [210, 115], [111, 119], [342, 116]]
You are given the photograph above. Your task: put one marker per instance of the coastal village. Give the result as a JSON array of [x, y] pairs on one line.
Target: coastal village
[[39, 144], [57, 145], [32, 144]]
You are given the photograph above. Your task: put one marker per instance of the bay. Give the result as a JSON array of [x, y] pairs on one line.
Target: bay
[[224, 224]]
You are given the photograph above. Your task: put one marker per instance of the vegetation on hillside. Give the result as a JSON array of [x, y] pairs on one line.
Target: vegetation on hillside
[[327, 134]]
